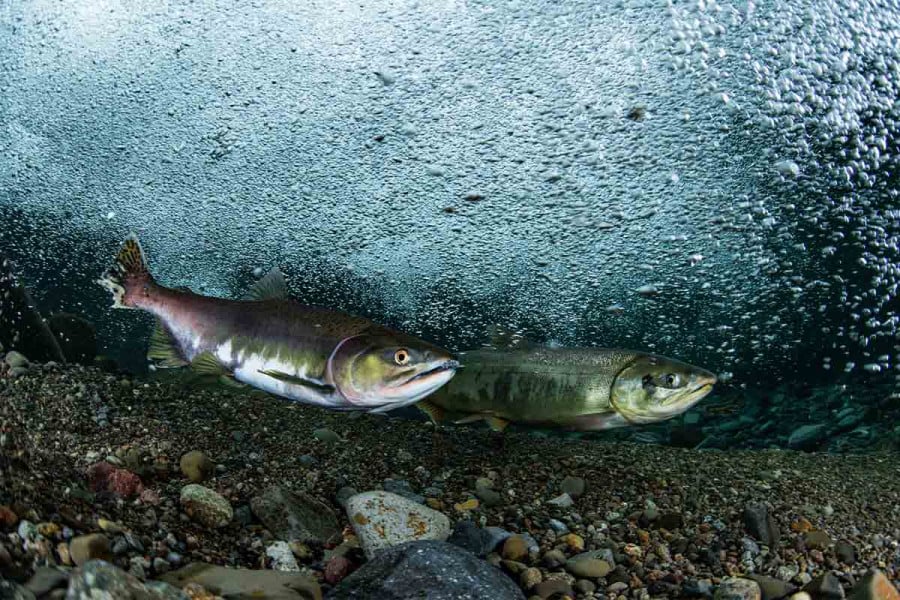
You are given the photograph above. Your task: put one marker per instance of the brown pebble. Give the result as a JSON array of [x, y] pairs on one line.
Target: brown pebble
[[530, 577], [196, 466], [88, 547], [548, 588], [515, 548]]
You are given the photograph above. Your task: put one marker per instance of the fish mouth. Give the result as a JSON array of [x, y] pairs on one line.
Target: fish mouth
[[447, 365]]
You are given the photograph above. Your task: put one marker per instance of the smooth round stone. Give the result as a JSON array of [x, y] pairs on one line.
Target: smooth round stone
[[573, 486], [88, 547], [515, 548], [737, 588], [590, 568]]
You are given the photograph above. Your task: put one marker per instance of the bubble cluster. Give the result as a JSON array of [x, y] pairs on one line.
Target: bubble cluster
[[716, 181]]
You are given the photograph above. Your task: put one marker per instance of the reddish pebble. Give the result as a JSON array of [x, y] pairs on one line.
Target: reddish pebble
[[150, 497], [103, 477], [8, 518], [336, 569]]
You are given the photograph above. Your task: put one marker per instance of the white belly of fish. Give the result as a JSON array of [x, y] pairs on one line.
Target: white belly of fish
[[248, 369]]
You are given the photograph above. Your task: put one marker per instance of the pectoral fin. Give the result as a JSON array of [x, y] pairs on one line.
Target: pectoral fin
[[297, 380]]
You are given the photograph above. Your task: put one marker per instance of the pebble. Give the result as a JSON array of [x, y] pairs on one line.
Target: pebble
[[381, 519], [554, 559], [573, 486], [515, 548], [737, 588], [558, 526], [818, 540], [573, 541], [282, 557], [88, 547], [585, 586], [206, 506], [772, 587], [196, 466], [592, 568], [825, 587], [326, 435], [874, 586], [845, 552], [8, 518], [530, 577], [563, 501], [552, 587], [16, 360], [294, 516], [760, 524], [337, 568]]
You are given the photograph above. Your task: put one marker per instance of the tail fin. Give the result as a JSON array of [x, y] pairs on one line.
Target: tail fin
[[128, 274]]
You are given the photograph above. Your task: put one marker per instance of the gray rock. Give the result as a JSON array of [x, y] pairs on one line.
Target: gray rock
[[772, 588], [489, 497], [381, 519], [573, 486], [737, 588], [825, 587], [401, 487], [807, 436], [15, 359], [471, 537], [563, 501], [845, 552], [344, 494], [295, 517], [246, 583], [98, 579], [761, 525], [46, 579], [14, 591], [426, 569], [326, 435]]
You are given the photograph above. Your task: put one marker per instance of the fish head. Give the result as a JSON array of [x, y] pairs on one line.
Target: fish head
[[387, 368], [654, 388]]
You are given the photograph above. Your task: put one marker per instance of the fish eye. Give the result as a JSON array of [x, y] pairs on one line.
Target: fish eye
[[672, 380], [401, 356]]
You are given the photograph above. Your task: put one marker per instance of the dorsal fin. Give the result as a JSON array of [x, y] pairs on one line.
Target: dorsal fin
[[272, 286], [163, 350], [502, 338]]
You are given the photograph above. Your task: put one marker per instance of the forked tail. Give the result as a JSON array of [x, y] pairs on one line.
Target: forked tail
[[128, 278]]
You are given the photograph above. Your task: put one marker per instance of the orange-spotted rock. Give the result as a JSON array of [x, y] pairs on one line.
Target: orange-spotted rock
[[382, 519]]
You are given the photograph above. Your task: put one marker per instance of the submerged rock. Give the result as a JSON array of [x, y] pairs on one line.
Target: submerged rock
[[246, 583], [14, 591], [760, 524], [99, 580], [471, 537], [85, 548], [737, 588], [807, 436], [196, 466], [381, 519], [426, 569], [874, 586], [295, 516]]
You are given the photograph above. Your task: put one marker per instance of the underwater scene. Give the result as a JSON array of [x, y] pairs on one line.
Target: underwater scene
[[449, 299]]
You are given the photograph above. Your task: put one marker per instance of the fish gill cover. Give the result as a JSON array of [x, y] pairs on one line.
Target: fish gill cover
[[712, 181]]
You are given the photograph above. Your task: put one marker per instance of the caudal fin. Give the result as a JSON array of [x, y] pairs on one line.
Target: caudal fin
[[128, 274]]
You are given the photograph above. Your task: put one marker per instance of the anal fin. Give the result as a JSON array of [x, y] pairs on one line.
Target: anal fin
[[497, 424], [163, 350], [434, 412]]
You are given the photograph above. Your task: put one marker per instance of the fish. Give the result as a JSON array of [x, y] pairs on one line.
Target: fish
[[576, 389], [267, 341]]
